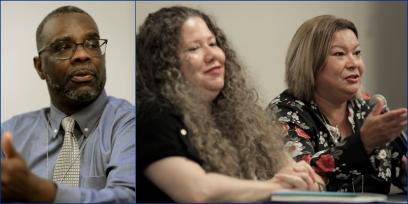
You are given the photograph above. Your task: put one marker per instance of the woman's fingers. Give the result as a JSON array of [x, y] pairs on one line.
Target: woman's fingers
[[298, 181]]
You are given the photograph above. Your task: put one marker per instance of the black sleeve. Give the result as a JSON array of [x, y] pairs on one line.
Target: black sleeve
[[158, 133]]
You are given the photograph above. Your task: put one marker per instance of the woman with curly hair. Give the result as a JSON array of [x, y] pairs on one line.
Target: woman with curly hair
[[200, 134], [326, 118]]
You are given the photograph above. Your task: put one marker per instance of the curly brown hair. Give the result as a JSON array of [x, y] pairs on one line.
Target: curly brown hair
[[235, 137]]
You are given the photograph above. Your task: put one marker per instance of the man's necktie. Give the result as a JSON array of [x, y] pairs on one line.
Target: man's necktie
[[66, 168]]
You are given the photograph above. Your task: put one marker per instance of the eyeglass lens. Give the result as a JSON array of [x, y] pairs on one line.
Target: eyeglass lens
[[65, 49]]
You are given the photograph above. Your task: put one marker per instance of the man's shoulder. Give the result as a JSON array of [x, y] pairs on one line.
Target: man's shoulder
[[120, 107], [32, 115], [25, 119], [119, 103]]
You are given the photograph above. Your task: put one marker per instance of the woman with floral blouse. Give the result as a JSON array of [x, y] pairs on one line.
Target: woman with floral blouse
[[327, 120]]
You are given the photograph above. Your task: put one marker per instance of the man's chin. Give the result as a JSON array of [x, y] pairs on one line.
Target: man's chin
[[83, 94]]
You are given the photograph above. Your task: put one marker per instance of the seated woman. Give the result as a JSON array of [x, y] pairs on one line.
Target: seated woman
[[326, 119], [200, 134]]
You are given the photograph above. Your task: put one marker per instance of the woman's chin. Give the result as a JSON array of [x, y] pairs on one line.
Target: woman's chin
[[352, 93]]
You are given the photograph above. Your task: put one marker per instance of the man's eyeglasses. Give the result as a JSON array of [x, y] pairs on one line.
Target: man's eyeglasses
[[64, 50]]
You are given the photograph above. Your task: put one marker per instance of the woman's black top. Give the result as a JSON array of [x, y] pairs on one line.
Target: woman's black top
[[160, 133]]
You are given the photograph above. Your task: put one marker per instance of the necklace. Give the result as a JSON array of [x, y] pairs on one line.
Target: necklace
[[334, 131]]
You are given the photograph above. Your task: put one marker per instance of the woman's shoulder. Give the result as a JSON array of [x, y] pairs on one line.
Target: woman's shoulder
[[159, 112], [159, 123], [285, 101], [288, 109], [365, 102]]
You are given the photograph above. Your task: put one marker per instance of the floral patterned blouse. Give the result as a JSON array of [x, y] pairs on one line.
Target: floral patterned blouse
[[342, 162]]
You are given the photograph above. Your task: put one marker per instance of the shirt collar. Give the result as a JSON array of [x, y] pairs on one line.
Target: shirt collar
[[87, 118]]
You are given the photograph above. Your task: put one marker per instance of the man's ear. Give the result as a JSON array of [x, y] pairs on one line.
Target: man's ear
[[38, 68]]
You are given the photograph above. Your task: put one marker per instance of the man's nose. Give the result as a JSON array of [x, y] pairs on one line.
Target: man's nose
[[80, 54]]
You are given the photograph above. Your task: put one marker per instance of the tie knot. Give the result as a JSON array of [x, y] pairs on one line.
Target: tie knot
[[68, 124]]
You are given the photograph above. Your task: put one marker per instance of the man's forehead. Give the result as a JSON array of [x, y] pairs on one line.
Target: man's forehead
[[69, 25]]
